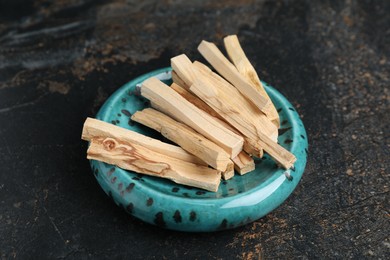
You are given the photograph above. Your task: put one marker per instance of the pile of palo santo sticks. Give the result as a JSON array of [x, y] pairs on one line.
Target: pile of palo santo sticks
[[218, 120]]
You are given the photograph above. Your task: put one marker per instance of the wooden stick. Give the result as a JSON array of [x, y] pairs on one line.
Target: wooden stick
[[193, 71], [243, 163], [232, 106], [249, 146], [229, 172], [134, 157], [184, 136], [177, 80], [180, 66], [194, 100], [277, 152], [245, 68], [253, 148], [215, 57], [215, 96], [180, 109], [94, 128]]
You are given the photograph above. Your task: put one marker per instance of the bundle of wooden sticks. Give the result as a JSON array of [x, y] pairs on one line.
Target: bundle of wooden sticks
[[218, 120]]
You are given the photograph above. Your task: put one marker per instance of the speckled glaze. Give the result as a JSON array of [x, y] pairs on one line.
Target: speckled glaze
[[238, 201]]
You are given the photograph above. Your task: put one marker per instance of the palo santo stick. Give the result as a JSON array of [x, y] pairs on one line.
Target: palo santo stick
[[243, 163], [185, 73], [194, 100], [249, 146], [229, 172], [216, 98], [230, 100], [190, 72], [215, 57], [277, 152], [94, 128], [245, 68], [177, 80], [134, 157], [180, 109], [184, 136]]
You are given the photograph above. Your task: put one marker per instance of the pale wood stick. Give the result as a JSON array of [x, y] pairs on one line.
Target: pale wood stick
[[243, 163], [215, 57], [176, 79], [195, 100], [249, 146], [180, 109], [253, 148], [263, 141], [94, 128], [185, 137], [243, 65], [186, 73], [216, 98], [229, 172], [193, 71], [134, 157], [229, 100], [277, 152]]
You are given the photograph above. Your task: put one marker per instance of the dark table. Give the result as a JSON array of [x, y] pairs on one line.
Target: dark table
[[60, 60]]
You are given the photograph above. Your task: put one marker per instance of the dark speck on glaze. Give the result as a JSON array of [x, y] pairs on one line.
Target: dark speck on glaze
[[130, 187], [126, 112], [177, 216], [149, 202], [223, 224], [159, 219], [130, 208], [281, 131], [192, 216]]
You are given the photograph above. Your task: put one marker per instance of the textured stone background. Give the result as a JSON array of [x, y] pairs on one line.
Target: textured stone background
[[60, 60]]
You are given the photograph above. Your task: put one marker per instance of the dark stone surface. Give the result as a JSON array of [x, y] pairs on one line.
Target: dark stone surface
[[60, 60]]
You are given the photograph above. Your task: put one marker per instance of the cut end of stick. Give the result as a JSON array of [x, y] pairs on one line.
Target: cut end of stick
[[129, 153], [243, 163], [229, 172], [184, 136], [183, 111], [182, 66], [246, 69], [220, 63]]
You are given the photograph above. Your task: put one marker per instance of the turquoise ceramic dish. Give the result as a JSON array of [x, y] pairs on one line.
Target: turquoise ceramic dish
[[238, 201]]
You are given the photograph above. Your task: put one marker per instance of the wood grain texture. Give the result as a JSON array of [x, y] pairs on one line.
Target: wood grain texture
[[243, 163], [185, 137], [215, 96], [231, 105], [180, 109], [221, 64], [134, 157], [245, 68], [94, 128], [195, 100], [178, 81], [229, 172], [249, 146]]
